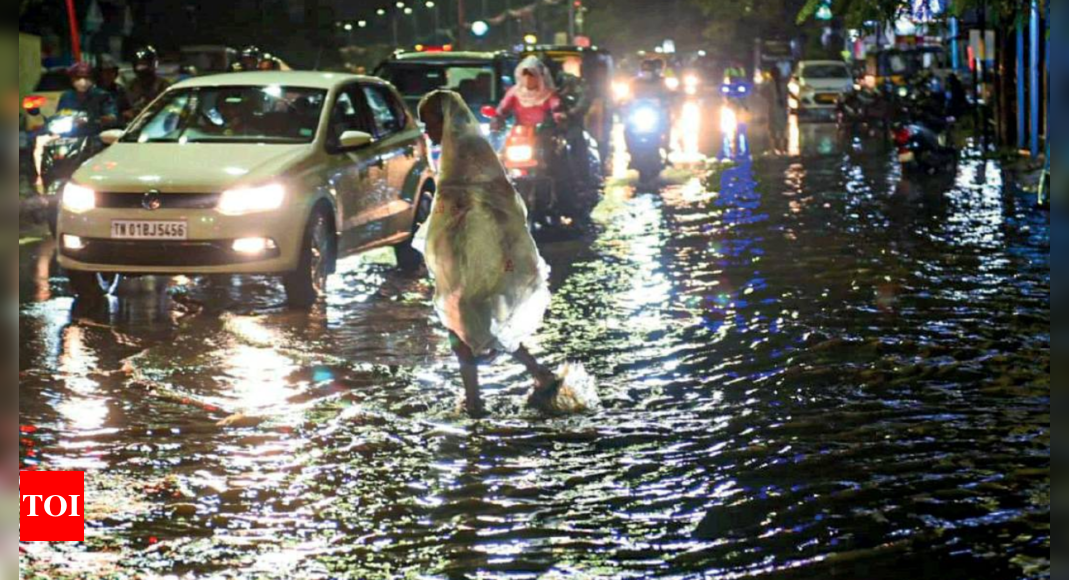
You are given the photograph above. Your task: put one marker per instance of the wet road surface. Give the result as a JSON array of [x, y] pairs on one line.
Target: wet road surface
[[812, 369]]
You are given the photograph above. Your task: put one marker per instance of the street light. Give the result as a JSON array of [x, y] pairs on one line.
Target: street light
[[348, 27], [430, 4], [400, 5], [408, 12], [362, 24], [381, 12], [530, 39], [480, 28]]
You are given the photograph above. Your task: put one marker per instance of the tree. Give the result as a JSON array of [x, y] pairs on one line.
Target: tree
[[25, 5], [857, 12]]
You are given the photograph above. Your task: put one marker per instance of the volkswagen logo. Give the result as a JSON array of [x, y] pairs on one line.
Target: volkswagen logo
[[152, 201]]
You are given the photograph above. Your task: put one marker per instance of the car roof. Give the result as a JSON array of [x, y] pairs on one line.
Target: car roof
[[806, 63], [446, 57], [299, 79]]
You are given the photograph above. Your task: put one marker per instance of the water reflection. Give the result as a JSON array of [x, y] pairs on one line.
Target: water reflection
[[820, 369]]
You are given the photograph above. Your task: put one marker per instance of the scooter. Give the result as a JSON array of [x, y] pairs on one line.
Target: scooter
[[920, 149], [75, 141], [646, 131], [539, 161]]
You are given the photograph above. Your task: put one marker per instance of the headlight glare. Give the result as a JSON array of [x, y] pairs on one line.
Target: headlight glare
[[78, 199], [520, 153], [252, 200]]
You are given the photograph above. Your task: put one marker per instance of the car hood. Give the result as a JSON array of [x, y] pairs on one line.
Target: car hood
[[828, 84], [189, 168]]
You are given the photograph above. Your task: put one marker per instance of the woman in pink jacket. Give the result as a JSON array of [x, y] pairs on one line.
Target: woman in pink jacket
[[534, 99]]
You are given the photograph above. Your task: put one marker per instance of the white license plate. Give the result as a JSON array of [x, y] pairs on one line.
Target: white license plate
[[149, 230], [907, 157]]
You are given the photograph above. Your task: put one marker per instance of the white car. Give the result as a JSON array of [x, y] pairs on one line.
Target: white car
[[817, 86], [266, 173]]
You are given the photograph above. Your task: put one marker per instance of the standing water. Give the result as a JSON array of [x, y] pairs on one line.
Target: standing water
[[812, 368]]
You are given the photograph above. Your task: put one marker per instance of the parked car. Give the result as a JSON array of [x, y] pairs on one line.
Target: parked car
[[481, 78], [817, 86], [265, 173]]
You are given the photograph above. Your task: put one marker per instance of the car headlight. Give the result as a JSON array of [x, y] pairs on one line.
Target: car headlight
[[691, 81], [78, 199], [672, 83], [252, 200], [645, 120], [794, 88], [519, 153]]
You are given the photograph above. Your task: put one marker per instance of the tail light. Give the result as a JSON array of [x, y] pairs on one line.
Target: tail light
[[33, 102], [902, 136], [520, 148], [489, 111]]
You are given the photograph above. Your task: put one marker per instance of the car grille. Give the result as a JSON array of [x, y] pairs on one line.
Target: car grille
[[173, 254], [111, 200]]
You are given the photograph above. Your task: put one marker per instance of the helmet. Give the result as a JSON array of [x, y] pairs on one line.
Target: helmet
[[146, 57], [81, 70], [107, 63]]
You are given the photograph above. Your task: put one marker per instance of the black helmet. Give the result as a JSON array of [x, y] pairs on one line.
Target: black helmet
[[107, 63], [146, 57]]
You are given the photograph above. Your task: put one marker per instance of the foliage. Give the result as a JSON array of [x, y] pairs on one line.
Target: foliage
[[25, 5], [732, 25], [857, 12]]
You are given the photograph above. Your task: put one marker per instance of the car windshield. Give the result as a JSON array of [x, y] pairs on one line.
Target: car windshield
[[826, 71], [270, 115], [477, 84]]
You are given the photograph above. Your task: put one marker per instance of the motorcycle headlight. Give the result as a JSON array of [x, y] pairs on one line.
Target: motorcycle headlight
[[519, 153], [645, 120], [691, 81], [61, 126], [672, 83], [726, 89], [252, 200], [78, 199]]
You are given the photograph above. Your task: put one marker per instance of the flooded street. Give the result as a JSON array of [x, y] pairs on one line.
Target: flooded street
[[812, 368]]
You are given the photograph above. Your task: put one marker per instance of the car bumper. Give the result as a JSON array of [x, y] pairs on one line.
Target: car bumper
[[207, 249]]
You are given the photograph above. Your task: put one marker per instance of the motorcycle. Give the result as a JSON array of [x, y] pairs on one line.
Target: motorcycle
[[74, 142], [737, 93], [863, 112], [547, 169], [921, 149], [646, 132]]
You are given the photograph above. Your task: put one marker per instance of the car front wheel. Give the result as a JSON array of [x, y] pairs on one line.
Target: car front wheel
[[410, 259], [307, 285]]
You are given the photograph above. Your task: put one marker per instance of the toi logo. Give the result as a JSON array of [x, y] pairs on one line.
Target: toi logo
[[51, 506]]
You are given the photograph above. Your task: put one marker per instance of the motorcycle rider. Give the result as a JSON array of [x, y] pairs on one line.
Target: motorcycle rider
[[575, 105], [108, 80], [534, 100], [148, 85], [86, 97], [650, 86], [249, 60]]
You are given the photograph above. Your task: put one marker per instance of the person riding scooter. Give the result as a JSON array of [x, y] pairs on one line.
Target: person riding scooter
[[108, 80], [72, 134], [248, 60], [97, 106], [534, 100], [148, 85]]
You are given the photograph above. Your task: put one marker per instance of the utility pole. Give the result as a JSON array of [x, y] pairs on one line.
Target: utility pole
[[571, 21], [462, 26]]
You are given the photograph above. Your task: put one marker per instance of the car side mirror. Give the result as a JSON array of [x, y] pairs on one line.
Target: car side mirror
[[112, 136], [355, 140]]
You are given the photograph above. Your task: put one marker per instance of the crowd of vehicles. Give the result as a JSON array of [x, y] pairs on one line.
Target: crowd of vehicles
[[295, 169]]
